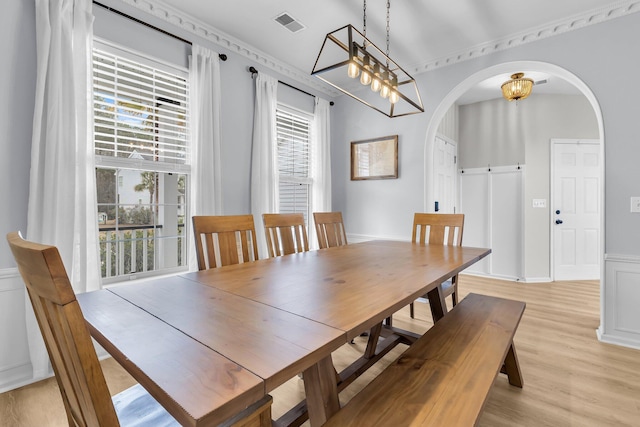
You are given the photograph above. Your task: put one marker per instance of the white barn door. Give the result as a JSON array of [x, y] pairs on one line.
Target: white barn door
[[492, 202]]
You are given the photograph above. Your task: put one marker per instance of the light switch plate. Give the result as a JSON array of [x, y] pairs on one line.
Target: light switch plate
[[635, 204], [539, 203]]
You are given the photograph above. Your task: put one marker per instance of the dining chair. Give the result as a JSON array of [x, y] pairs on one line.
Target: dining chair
[[439, 229], [286, 234], [224, 240], [330, 229], [80, 378], [84, 390]]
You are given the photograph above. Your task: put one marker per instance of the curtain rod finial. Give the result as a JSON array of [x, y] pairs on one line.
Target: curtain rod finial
[[252, 70], [222, 56]]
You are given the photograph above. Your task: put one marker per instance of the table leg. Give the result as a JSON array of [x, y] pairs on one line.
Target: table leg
[[321, 391], [437, 302], [372, 343]]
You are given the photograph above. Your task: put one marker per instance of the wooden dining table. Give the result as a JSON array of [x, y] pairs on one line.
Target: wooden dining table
[[208, 344]]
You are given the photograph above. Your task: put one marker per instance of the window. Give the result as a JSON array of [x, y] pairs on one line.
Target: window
[[142, 174], [293, 129]]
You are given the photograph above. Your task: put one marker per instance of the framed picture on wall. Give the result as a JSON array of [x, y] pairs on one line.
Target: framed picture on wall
[[375, 158]]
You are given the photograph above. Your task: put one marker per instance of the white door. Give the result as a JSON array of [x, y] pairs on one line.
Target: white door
[[575, 218], [444, 175]]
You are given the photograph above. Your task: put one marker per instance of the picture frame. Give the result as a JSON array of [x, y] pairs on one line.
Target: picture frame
[[374, 158]]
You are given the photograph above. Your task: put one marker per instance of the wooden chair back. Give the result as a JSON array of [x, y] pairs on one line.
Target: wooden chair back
[[286, 234], [330, 229], [224, 240], [441, 229], [84, 390]]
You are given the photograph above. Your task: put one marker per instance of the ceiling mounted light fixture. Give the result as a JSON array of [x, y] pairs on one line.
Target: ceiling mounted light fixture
[[347, 54], [517, 88]]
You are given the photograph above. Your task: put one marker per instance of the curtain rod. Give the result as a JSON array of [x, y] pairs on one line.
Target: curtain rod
[[222, 56], [253, 71]]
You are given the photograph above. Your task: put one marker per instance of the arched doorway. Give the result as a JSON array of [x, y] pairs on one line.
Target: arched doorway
[[485, 74]]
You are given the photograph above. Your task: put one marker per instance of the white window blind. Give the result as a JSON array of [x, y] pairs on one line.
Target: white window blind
[[139, 108], [143, 169], [293, 161]]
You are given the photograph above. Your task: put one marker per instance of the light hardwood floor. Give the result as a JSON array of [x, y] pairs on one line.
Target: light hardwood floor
[[570, 378]]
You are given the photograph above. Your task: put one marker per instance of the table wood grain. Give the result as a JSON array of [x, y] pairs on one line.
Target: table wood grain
[[274, 344], [197, 385], [350, 287], [210, 343]]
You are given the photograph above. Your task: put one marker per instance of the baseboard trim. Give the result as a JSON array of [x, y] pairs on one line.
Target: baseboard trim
[[616, 340], [16, 376], [359, 238], [9, 280]]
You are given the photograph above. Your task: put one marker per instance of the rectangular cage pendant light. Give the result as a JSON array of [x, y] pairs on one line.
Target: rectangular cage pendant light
[[351, 63]]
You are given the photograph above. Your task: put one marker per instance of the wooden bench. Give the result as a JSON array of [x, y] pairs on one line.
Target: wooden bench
[[443, 379]]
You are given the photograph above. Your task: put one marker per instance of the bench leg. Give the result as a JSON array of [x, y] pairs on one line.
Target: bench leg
[[321, 391], [511, 367]]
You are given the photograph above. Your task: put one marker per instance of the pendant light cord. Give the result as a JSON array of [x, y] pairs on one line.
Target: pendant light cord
[[388, 29], [364, 21]]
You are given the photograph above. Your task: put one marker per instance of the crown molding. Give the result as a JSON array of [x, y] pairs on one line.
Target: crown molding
[[188, 23], [161, 10], [595, 16]]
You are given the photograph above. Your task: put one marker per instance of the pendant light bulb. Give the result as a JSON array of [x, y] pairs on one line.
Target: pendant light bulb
[[394, 97], [385, 89], [376, 84], [365, 77], [353, 70]]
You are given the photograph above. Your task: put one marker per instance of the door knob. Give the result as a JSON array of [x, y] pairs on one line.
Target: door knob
[[558, 221], [558, 212]]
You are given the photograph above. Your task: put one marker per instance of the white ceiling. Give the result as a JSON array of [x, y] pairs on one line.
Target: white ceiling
[[423, 34]]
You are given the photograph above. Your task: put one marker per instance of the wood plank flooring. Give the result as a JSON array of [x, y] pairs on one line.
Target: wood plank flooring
[[570, 378]]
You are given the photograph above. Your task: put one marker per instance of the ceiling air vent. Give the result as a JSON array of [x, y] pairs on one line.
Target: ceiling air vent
[[289, 22]]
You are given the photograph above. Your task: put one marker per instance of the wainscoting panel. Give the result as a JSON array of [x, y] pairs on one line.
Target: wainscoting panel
[[15, 366], [621, 301]]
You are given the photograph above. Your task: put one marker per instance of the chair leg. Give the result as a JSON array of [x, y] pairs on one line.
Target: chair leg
[[411, 313]]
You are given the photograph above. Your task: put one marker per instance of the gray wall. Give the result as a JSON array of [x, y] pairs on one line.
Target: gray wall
[[502, 133], [596, 54], [17, 86]]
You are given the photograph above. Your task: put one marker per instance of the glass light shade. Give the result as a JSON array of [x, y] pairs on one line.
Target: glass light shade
[[353, 71], [517, 88]]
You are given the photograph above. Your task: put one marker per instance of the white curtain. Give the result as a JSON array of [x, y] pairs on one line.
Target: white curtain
[[264, 169], [206, 168], [62, 193], [320, 163]]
